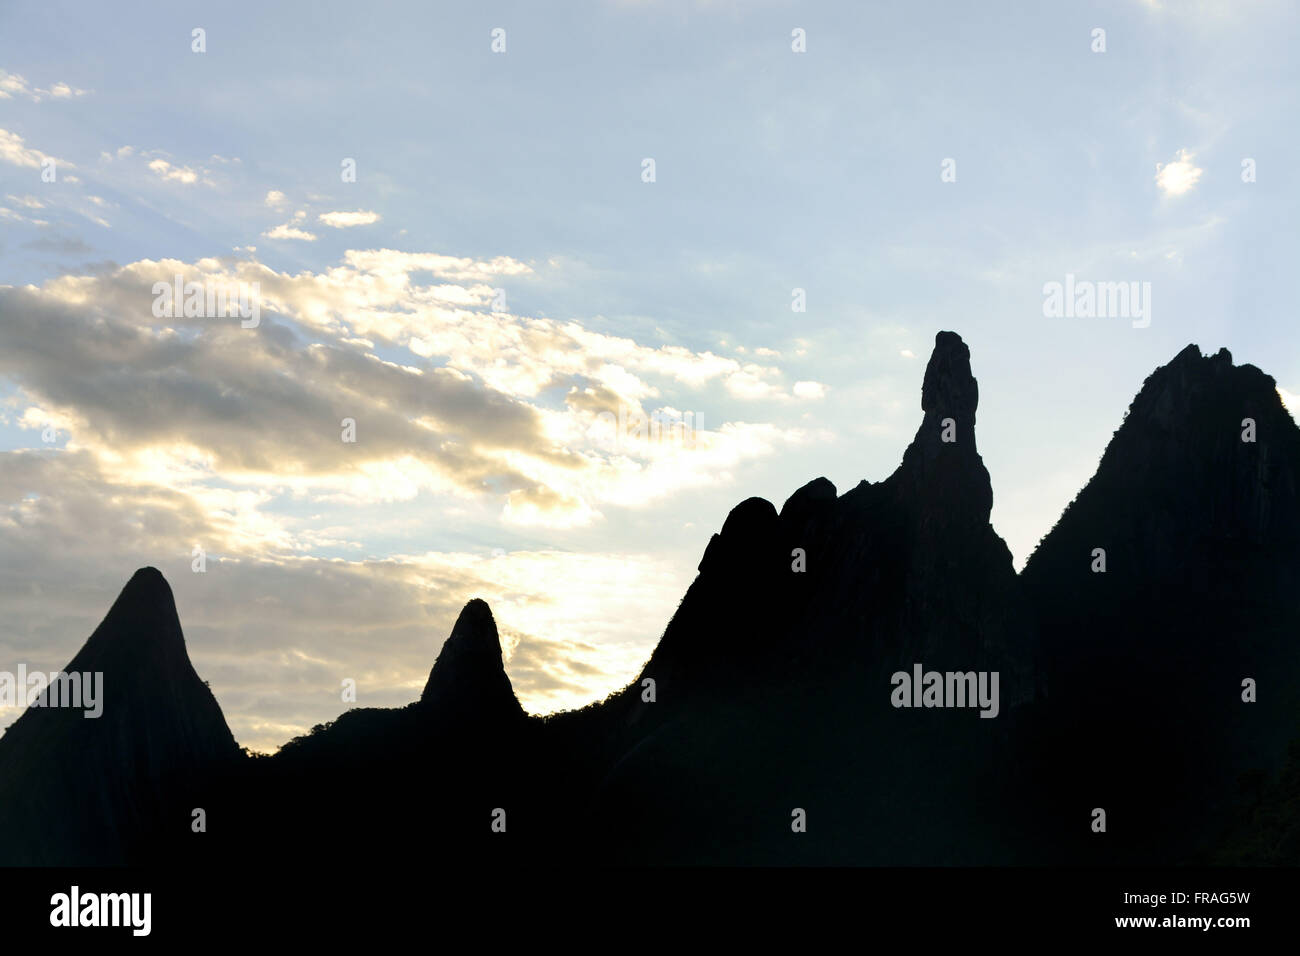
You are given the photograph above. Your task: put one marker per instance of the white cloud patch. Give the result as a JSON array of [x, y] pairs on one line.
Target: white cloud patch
[[287, 231], [345, 220], [14, 216], [13, 150], [180, 174], [12, 84]]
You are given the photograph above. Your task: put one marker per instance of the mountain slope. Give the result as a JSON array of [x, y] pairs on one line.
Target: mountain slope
[[1201, 538]]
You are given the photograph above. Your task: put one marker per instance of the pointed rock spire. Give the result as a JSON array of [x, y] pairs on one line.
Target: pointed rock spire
[[469, 676], [942, 466], [949, 388]]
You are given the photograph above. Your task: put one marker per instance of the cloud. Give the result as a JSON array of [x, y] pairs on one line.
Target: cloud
[[1178, 177], [239, 402], [63, 246], [541, 506], [809, 390], [274, 198], [287, 231], [484, 404], [162, 165], [390, 262], [344, 220], [13, 216], [11, 84], [123, 152], [14, 152], [180, 174]]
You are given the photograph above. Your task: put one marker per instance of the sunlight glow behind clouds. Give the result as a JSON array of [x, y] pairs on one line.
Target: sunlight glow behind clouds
[[1178, 177]]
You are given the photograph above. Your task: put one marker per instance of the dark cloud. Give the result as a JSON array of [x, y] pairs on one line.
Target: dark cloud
[[259, 399], [102, 267], [63, 245]]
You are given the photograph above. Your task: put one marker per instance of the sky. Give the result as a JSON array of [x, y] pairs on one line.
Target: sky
[[485, 233]]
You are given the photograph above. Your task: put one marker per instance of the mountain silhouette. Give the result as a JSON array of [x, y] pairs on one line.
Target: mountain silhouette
[[772, 679], [1200, 531], [119, 787], [390, 782], [468, 681], [775, 720]]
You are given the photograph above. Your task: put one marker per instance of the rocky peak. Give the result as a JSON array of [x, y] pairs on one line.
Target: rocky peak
[[949, 388], [750, 526], [815, 496], [942, 470], [1193, 388], [141, 630], [469, 675]]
